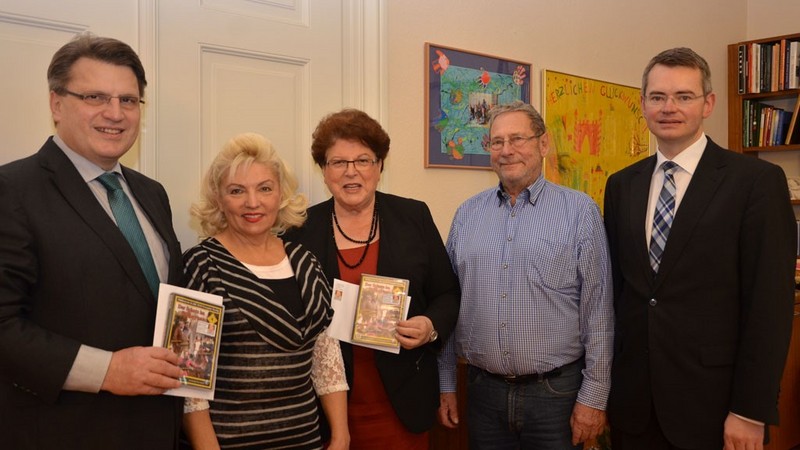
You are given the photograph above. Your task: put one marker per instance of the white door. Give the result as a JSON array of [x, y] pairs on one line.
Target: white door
[[215, 68]]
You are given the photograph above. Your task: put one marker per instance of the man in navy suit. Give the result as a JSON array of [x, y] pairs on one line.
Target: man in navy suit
[[702, 245], [77, 309]]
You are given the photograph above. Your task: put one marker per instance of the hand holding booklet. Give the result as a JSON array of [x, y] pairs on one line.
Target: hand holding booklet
[[367, 314], [190, 324]]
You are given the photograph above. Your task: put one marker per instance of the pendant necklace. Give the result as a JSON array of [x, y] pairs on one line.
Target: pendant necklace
[[373, 230]]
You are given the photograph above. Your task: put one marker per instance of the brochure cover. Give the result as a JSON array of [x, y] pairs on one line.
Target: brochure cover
[[190, 324], [382, 302]]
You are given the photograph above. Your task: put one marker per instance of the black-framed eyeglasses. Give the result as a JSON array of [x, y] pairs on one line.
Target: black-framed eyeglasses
[[341, 164], [98, 99], [516, 142]]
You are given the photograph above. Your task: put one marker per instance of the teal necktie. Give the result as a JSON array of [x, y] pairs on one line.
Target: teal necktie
[[129, 225]]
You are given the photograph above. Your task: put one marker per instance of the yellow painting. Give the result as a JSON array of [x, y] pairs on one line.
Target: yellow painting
[[596, 128]]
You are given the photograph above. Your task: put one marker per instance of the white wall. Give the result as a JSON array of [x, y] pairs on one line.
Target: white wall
[[772, 18], [607, 40]]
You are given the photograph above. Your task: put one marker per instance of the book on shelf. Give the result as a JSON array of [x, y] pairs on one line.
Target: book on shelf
[[768, 67], [346, 301], [746, 123], [189, 323], [776, 67], [742, 67], [755, 122], [781, 126], [793, 75], [755, 68], [764, 125], [782, 65]]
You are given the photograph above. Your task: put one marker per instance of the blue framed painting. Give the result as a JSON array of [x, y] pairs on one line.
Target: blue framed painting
[[461, 88]]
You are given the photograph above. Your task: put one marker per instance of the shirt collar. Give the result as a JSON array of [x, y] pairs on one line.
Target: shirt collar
[[529, 194], [689, 158], [88, 170]]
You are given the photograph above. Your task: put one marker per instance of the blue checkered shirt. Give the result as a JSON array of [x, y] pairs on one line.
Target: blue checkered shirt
[[535, 287]]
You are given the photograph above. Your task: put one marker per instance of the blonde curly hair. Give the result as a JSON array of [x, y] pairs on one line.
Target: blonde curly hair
[[242, 151]]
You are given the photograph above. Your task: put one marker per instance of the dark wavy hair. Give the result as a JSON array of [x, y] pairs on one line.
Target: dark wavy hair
[[88, 45], [350, 125]]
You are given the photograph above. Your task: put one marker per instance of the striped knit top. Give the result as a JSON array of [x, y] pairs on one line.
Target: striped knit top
[[264, 396]]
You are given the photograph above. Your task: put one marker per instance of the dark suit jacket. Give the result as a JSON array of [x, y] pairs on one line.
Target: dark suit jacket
[[410, 247], [710, 333], [68, 277]]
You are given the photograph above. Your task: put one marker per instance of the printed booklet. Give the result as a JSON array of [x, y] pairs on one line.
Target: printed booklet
[[190, 324], [367, 314]]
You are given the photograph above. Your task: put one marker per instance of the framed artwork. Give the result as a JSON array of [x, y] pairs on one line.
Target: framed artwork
[[596, 128], [460, 89]]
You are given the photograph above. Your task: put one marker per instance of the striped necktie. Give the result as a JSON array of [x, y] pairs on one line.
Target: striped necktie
[[664, 213], [129, 225]]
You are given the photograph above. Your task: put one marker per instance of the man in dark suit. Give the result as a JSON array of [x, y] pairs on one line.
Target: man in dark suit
[[702, 245], [77, 300]]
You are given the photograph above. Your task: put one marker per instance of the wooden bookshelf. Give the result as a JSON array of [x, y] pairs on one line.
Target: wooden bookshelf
[[787, 97], [780, 94]]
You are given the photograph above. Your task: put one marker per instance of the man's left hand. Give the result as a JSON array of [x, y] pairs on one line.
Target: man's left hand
[[587, 423], [740, 434]]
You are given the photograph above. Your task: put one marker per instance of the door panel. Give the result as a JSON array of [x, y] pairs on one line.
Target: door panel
[[215, 68]]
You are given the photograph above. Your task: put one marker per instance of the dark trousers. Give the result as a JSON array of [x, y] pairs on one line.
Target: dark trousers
[[524, 415], [651, 439]]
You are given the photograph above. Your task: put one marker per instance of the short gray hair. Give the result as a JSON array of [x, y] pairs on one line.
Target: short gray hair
[[537, 123]]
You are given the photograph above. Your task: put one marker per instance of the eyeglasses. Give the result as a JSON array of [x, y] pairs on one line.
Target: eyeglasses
[[125, 101], [516, 142], [341, 164], [659, 100]]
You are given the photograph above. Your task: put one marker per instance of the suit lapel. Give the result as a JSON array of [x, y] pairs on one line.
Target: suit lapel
[[384, 245], [640, 193], [705, 181], [74, 189]]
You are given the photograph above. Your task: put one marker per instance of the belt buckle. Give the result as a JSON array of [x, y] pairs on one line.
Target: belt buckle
[[514, 379]]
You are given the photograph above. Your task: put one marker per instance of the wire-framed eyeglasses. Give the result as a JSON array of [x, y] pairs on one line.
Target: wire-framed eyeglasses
[[516, 142], [659, 100], [98, 99]]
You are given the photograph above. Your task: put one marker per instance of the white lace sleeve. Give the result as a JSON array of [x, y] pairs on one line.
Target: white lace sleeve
[[327, 366], [191, 405]]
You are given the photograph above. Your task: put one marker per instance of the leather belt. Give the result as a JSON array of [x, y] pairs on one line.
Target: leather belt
[[531, 377]]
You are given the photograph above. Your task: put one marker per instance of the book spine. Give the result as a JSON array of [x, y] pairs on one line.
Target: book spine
[[757, 68], [775, 67], [755, 113], [784, 65], [746, 123], [742, 60], [793, 65], [765, 66]]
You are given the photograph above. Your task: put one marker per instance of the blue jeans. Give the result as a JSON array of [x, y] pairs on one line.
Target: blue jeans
[[532, 415]]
